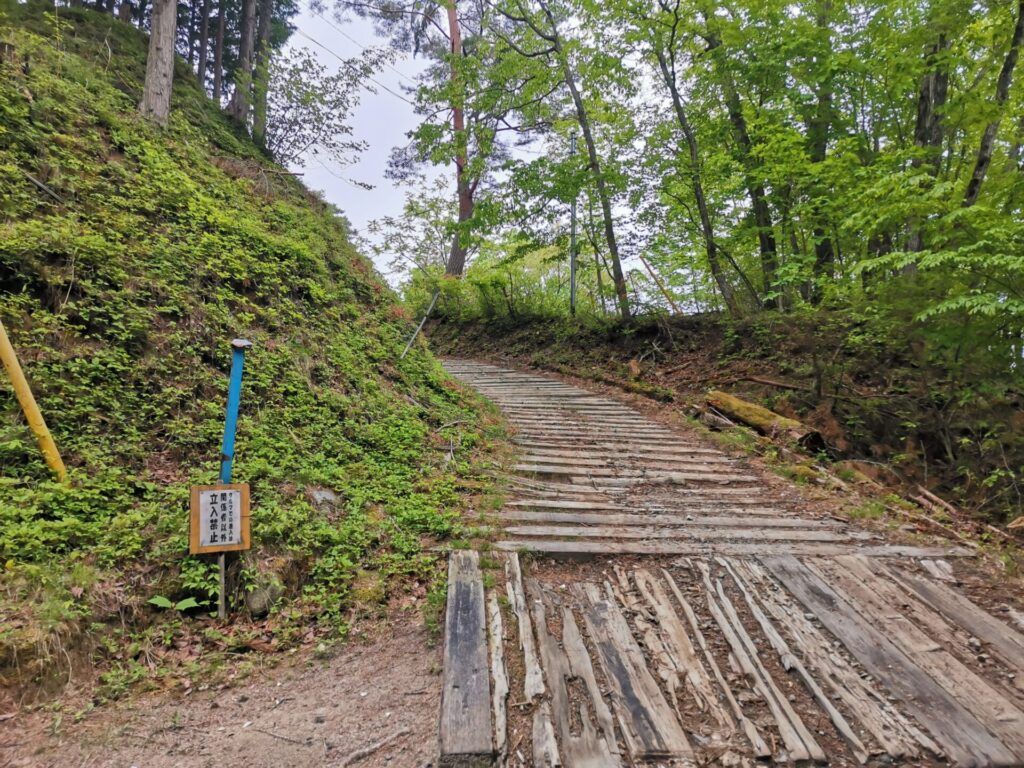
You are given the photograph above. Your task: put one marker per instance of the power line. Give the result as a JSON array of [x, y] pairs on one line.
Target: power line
[[351, 39], [345, 61]]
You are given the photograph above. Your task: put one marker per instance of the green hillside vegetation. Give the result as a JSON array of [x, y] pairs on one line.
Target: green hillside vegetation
[[122, 298]]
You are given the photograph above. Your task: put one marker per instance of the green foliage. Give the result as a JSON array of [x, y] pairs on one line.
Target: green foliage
[[121, 301]]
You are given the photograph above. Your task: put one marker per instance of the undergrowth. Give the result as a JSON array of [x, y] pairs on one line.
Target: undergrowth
[[121, 300]]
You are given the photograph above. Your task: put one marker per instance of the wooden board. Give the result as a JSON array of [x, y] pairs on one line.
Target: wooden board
[[964, 740], [466, 691], [896, 735], [583, 546], [1003, 639], [586, 747], [752, 524], [649, 726], [697, 532], [879, 602]]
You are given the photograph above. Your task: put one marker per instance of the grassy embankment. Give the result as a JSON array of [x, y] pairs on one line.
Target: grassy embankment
[[121, 292]]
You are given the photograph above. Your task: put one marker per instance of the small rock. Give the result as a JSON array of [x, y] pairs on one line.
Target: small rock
[[974, 642], [267, 591], [320, 716]]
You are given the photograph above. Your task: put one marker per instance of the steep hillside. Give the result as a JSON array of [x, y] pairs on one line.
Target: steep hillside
[[129, 258]]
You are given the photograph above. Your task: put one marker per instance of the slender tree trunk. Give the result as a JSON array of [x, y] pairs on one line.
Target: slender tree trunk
[[464, 187], [988, 138], [124, 12], [928, 128], [218, 52], [156, 93], [241, 99], [724, 286], [818, 130], [204, 45], [191, 33], [261, 74], [755, 188]]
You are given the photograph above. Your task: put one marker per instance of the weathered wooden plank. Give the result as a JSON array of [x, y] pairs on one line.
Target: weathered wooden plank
[[677, 641], [791, 662], [896, 735], [649, 727], [545, 746], [758, 744], [655, 518], [706, 476], [587, 747], [1003, 639], [533, 685], [615, 446], [499, 696], [964, 739], [799, 741], [465, 695], [579, 664], [707, 534], [879, 602], [678, 547]]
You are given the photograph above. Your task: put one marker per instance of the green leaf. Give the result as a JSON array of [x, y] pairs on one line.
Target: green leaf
[[184, 605], [160, 602]]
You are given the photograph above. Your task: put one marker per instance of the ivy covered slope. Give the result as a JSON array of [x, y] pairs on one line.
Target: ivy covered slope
[[122, 299]]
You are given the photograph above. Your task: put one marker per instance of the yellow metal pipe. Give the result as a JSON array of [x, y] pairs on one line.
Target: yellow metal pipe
[[28, 405]]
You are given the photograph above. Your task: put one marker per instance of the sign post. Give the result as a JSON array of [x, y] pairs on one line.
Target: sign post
[[220, 513]]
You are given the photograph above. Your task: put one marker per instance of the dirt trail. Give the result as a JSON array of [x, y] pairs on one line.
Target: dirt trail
[[715, 618], [377, 697]]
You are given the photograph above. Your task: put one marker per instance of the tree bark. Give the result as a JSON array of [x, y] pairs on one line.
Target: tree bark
[[241, 99], [191, 33], [818, 129], [755, 188], [928, 128], [261, 74], [124, 12], [156, 93], [724, 286], [204, 45], [456, 264], [218, 52], [988, 138]]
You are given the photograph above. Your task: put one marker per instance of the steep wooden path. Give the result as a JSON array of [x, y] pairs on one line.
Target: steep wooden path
[[710, 624]]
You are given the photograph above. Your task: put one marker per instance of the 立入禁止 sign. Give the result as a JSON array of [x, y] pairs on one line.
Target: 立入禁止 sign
[[220, 518]]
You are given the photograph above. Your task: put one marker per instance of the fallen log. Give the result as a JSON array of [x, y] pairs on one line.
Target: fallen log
[[764, 421]]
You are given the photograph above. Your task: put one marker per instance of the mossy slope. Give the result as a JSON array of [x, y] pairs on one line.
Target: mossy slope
[[122, 299]]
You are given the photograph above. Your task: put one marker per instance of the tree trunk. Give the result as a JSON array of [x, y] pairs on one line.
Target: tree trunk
[[261, 74], [724, 286], [928, 127], [988, 138], [156, 93], [204, 45], [817, 132], [242, 97], [191, 33], [124, 12], [218, 53], [464, 188], [755, 189]]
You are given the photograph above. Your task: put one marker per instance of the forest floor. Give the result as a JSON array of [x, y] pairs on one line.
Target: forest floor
[[373, 704]]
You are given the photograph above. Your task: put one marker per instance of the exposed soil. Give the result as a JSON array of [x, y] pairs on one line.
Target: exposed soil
[[379, 695]]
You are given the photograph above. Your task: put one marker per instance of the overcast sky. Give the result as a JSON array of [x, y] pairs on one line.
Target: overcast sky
[[382, 121]]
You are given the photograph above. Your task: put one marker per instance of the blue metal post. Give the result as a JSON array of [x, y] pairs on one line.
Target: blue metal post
[[227, 453], [227, 456]]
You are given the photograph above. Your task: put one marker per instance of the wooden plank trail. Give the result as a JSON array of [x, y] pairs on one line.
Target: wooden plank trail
[[718, 626]]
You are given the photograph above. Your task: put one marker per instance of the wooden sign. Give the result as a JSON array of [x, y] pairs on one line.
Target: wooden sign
[[220, 518]]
